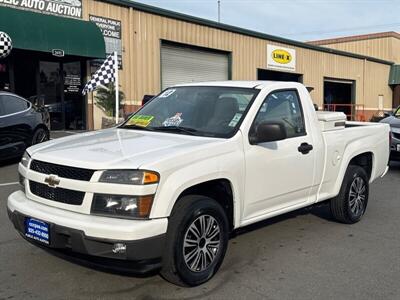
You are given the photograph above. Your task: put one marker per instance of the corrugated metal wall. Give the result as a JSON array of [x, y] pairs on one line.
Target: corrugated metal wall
[[142, 34], [377, 47]]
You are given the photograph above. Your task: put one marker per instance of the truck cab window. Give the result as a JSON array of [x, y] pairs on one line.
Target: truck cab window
[[283, 106]]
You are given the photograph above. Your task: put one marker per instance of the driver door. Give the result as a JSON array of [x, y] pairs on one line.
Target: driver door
[[278, 174]]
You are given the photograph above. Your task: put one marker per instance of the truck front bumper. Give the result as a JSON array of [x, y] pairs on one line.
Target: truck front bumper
[[121, 241]]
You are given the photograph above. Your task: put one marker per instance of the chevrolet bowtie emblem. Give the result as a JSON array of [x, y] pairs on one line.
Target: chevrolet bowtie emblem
[[52, 180]]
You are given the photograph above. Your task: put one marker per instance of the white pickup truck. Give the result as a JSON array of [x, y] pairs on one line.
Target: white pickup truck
[[165, 189]]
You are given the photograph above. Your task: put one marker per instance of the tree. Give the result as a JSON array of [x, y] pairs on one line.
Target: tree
[[105, 98]]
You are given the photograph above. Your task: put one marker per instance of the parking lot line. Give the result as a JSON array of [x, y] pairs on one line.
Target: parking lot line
[[9, 183]]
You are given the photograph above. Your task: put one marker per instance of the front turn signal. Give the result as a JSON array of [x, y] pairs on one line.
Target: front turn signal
[[150, 177]]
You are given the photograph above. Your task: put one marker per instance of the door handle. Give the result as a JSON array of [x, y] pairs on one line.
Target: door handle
[[305, 148]]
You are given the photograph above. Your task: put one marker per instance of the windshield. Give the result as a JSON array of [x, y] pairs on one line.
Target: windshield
[[195, 110]]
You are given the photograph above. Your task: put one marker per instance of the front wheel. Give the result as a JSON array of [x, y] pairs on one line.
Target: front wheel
[[351, 203], [40, 135], [197, 240]]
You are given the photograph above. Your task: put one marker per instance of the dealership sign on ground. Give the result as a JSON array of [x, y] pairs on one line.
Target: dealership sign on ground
[[66, 8], [281, 58]]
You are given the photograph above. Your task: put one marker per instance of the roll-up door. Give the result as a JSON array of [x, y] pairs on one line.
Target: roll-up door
[[185, 65]]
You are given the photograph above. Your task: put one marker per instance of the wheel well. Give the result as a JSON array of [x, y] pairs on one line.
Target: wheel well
[[41, 126], [363, 160], [219, 190]]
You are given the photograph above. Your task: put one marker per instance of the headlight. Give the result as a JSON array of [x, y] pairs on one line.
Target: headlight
[[124, 206], [25, 159], [135, 177]]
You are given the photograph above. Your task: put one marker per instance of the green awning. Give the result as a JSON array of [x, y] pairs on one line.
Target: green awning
[[394, 76], [40, 32]]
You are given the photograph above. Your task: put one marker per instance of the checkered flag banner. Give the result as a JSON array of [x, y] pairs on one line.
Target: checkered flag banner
[[5, 45], [104, 75]]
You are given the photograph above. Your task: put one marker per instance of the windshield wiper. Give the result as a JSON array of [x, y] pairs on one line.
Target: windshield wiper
[[187, 130]]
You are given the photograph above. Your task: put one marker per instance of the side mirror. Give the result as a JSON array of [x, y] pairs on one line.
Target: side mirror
[[267, 132], [387, 114]]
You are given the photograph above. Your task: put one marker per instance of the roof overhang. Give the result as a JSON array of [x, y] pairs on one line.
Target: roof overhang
[[41, 32]]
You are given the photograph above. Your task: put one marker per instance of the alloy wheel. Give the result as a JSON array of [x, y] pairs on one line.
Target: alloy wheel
[[201, 243], [357, 196]]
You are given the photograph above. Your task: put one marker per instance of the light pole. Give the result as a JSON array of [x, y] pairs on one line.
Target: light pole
[[219, 11]]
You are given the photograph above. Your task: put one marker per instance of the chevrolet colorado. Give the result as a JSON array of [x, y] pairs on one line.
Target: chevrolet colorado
[[164, 189]]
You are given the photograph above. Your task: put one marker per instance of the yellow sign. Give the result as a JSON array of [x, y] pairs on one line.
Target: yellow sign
[[140, 120], [281, 56]]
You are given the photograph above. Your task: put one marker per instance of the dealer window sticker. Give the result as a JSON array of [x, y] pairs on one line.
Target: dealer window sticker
[[236, 118], [175, 120], [167, 93], [140, 120]]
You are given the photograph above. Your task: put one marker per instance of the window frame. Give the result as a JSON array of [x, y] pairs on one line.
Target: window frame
[[300, 106], [15, 113]]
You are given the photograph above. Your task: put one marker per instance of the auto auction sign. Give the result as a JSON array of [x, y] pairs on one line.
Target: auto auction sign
[[66, 8]]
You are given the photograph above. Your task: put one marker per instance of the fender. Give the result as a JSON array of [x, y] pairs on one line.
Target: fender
[[351, 151], [206, 170]]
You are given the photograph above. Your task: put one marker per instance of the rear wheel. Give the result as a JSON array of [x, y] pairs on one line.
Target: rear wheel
[[40, 135], [351, 203], [197, 239]]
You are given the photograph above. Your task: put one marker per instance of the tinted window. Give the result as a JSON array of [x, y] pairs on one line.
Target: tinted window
[[12, 104], [283, 106]]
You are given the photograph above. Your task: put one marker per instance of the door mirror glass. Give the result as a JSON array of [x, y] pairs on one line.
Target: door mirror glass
[[268, 132]]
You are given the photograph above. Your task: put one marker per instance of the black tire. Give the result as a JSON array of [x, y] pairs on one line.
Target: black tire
[[188, 212], [39, 136], [344, 206]]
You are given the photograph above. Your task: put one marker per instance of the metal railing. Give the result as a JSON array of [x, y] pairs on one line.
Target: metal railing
[[353, 112]]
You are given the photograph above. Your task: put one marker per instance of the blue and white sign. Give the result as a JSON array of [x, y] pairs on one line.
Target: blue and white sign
[[37, 230]]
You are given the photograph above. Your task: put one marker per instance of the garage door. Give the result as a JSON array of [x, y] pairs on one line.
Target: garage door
[[185, 65]]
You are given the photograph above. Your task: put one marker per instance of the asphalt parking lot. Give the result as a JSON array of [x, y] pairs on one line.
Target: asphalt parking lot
[[302, 255]]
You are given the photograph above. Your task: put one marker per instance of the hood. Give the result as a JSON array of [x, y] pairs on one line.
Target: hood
[[392, 121], [116, 148]]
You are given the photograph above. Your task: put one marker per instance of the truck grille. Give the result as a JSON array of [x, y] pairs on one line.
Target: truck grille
[[56, 194], [61, 171]]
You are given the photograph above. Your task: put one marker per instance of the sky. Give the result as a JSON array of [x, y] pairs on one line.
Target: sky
[[302, 20]]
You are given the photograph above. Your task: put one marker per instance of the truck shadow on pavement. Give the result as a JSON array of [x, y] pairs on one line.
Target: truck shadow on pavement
[[111, 266], [320, 210]]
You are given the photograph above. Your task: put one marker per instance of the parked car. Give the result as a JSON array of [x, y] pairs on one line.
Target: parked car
[[21, 125], [166, 188], [394, 121]]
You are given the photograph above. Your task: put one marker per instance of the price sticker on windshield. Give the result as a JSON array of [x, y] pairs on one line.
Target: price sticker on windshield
[[235, 120], [175, 120], [167, 93], [140, 120]]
